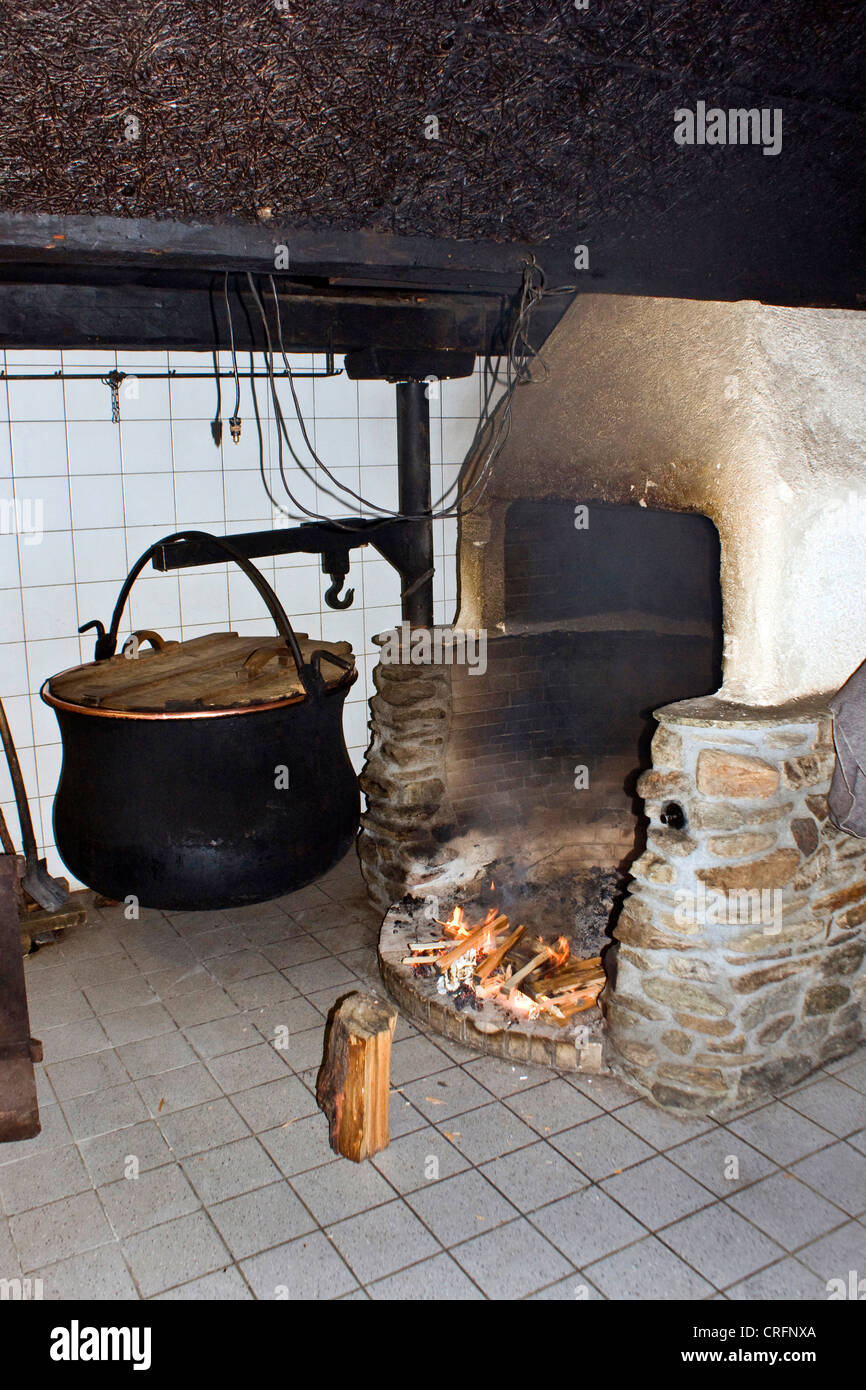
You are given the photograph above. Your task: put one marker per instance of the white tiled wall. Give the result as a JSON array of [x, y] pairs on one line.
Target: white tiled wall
[[107, 491]]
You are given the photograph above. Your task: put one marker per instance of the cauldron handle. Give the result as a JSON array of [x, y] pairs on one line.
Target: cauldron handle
[[106, 642]]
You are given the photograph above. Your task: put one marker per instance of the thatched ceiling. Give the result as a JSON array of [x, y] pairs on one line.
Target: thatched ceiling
[[550, 117]]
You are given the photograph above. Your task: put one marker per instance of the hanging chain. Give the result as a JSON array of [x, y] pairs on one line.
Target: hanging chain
[[114, 381]]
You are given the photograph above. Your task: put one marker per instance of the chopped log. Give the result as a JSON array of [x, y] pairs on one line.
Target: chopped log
[[354, 1083], [531, 965], [470, 942], [576, 973], [567, 1011], [496, 957]]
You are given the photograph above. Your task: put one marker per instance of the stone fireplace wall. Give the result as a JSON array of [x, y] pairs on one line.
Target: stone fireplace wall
[[718, 996], [751, 416]]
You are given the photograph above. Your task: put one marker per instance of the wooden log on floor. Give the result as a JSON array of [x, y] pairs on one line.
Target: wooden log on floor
[[354, 1083]]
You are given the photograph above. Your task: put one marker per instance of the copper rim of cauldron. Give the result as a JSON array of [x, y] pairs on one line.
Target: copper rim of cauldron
[[57, 703]]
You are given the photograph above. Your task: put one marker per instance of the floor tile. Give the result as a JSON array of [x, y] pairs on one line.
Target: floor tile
[[552, 1107], [240, 965], [855, 1075], [512, 1261], [455, 1209], [175, 1253], [647, 1270], [403, 1118], [60, 1229], [296, 1014], [721, 1245], [659, 1127], [833, 1256], [202, 1127], [93, 1275], [437, 1279], [601, 1147], [299, 1145], [104, 970], [308, 1268], [178, 1089], [341, 1189], [202, 1005], [299, 951], [317, 975], [445, 1094], [587, 1225], [576, 1288], [415, 1160], [224, 1285], [72, 1040], [722, 1161], [219, 941], [132, 1025], [832, 1104], [223, 1035], [260, 1220], [155, 1196], [416, 1057], [252, 1066], [504, 1078], [608, 1092], [787, 1210], [781, 1133], [838, 1173], [82, 1075], [260, 990], [533, 1177], [55, 1131], [381, 1241], [230, 1170], [42, 1178], [106, 1156], [275, 1103], [783, 1280], [55, 1010], [488, 1132], [152, 1056], [104, 1111], [127, 993], [657, 1192]]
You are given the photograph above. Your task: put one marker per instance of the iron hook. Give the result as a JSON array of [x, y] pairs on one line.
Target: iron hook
[[332, 594]]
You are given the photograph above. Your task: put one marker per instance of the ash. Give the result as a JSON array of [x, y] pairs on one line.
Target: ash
[[576, 905]]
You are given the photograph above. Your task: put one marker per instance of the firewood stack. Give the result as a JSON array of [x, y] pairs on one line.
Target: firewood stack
[[491, 959]]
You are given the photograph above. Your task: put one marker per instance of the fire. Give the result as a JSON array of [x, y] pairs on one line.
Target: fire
[[455, 924], [523, 975], [560, 951]]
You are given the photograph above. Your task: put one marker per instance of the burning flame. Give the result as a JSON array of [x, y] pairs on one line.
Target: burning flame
[[572, 993], [559, 951], [455, 926]]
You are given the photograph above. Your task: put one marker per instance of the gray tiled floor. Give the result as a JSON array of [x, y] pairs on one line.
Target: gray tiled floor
[[183, 1155]]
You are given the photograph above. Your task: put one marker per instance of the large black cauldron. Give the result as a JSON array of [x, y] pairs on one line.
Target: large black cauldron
[[191, 809]]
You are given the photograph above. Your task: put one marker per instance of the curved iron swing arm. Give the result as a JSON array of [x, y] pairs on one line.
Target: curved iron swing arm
[[310, 673]]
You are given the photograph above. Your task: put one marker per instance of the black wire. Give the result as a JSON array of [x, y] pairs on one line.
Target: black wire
[[237, 410], [519, 359]]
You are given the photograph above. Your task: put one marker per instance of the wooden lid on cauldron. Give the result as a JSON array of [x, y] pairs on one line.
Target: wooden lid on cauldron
[[220, 671]]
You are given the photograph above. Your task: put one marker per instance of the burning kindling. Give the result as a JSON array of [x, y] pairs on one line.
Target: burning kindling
[[491, 960]]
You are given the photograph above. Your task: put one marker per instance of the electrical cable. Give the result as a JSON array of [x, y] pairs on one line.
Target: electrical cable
[[519, 356]]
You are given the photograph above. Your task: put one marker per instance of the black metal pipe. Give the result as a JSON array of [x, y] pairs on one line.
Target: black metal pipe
[[413, 460]]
